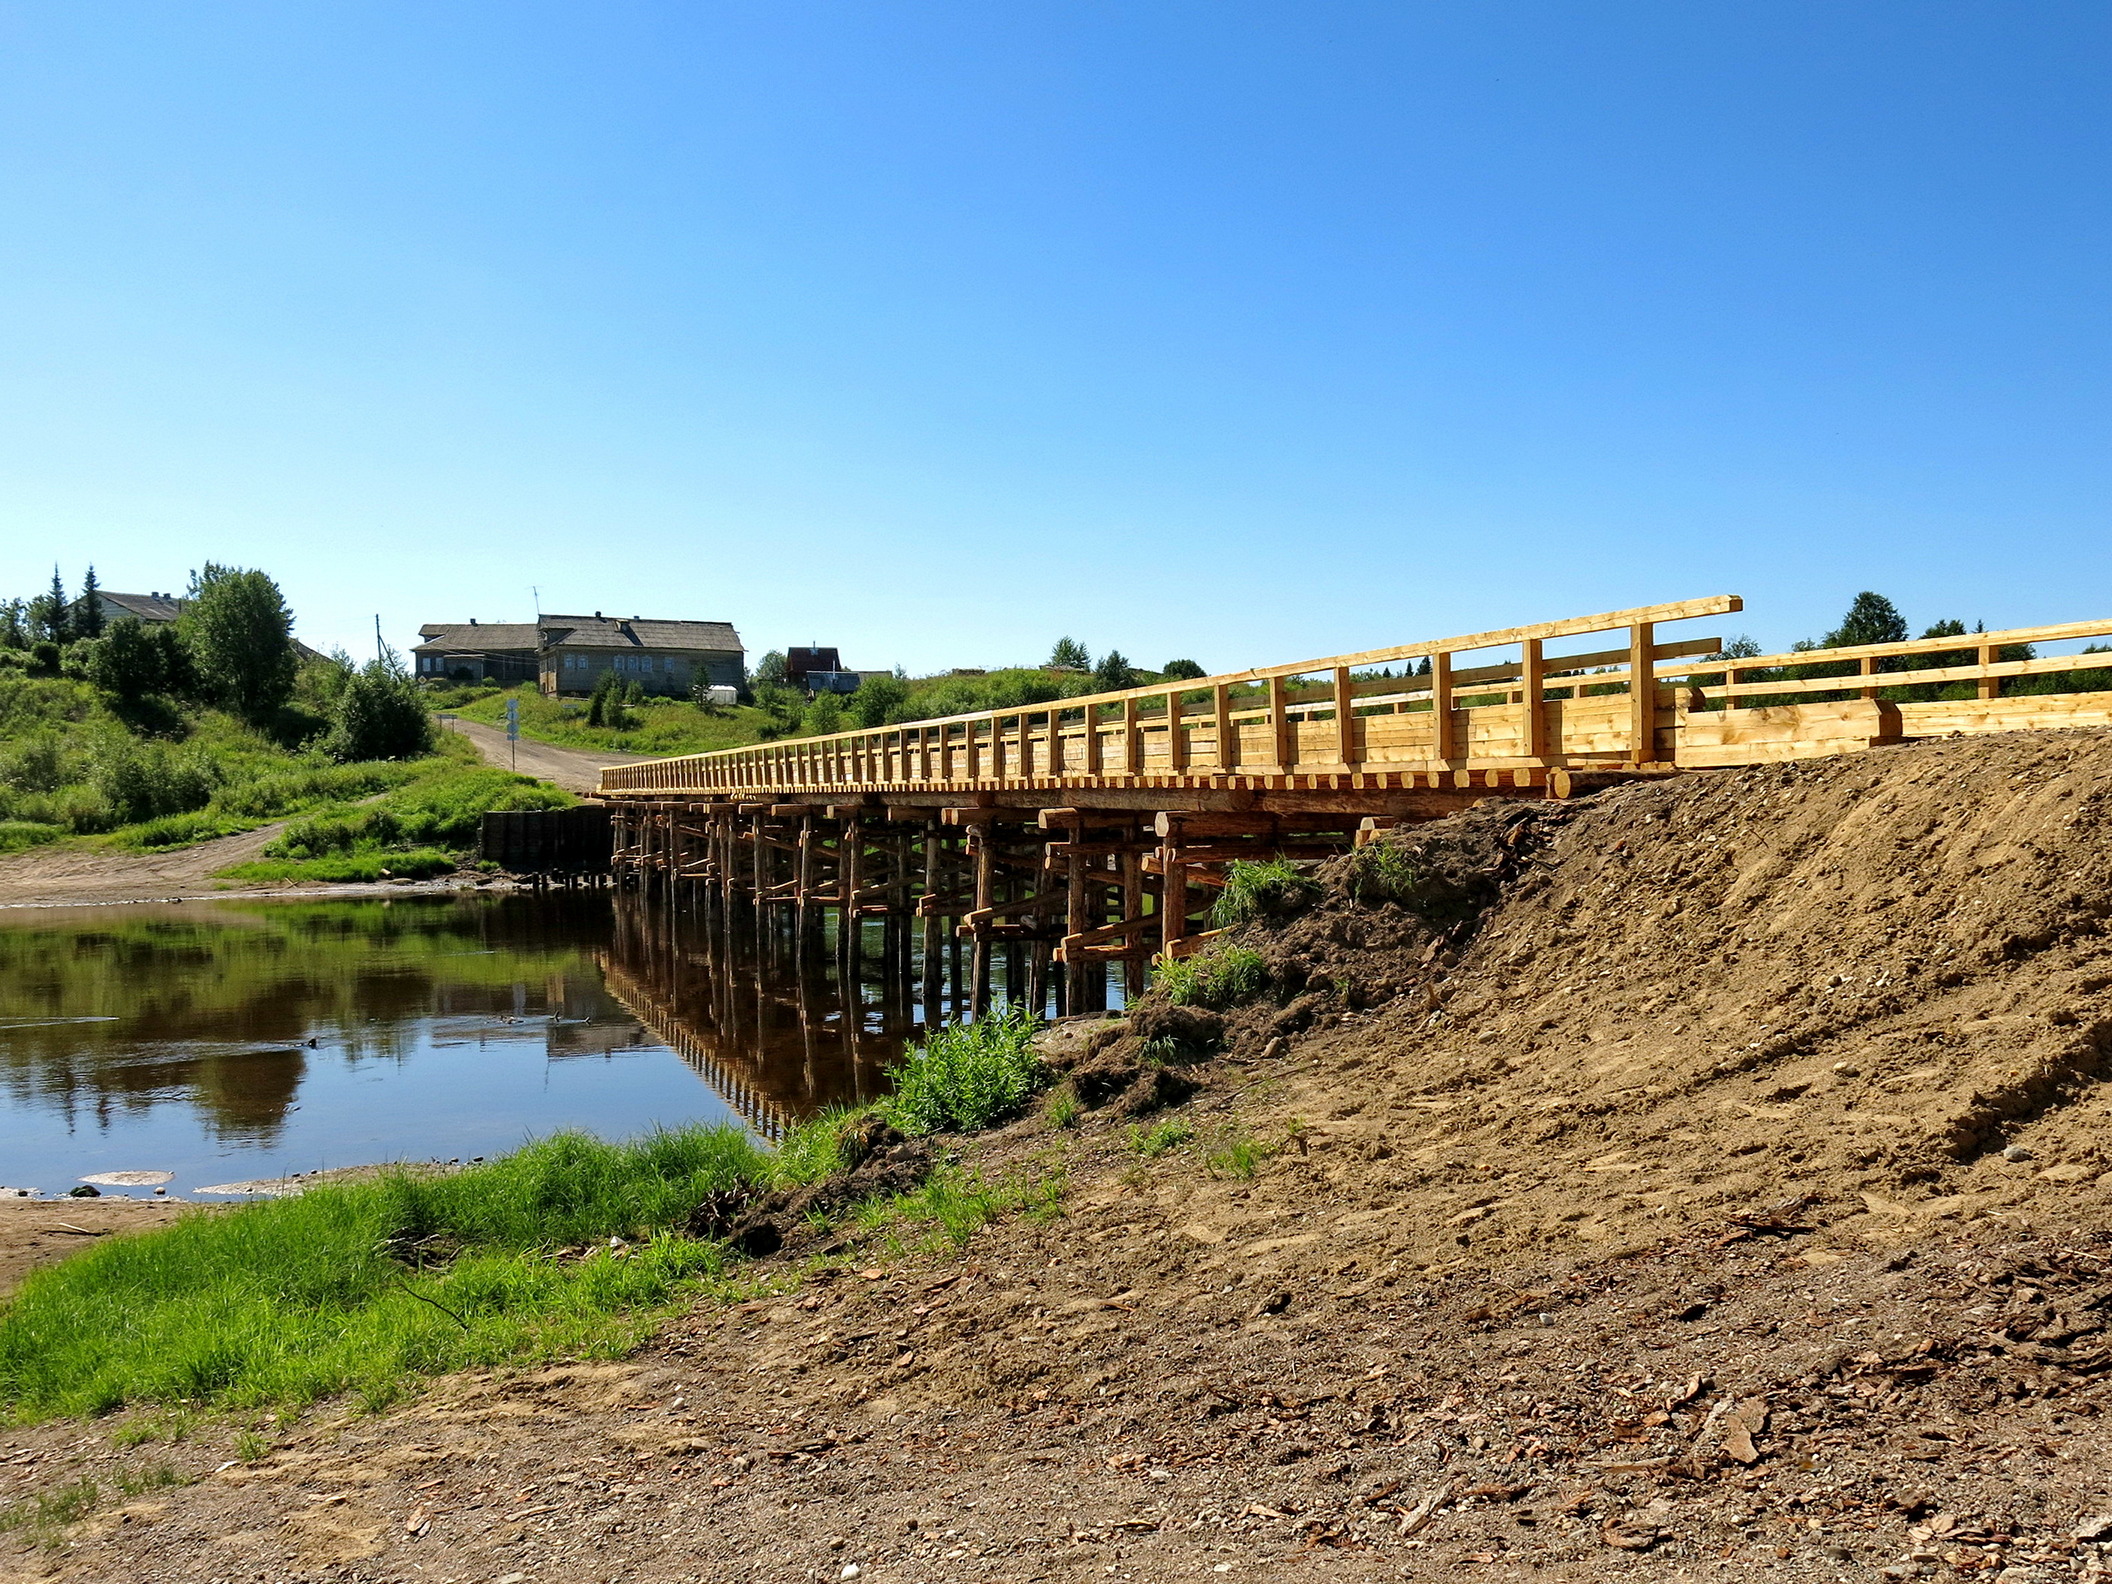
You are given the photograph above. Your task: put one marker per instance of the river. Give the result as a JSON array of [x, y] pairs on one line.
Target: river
[[228, 1042]]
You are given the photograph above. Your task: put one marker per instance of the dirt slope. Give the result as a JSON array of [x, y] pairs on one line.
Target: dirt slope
[[1699, 1181], [50, 876]]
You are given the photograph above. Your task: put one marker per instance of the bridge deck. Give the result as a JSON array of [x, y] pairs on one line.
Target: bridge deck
[[1091, 831]]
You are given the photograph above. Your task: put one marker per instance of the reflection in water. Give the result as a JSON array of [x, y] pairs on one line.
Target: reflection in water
[[246, 1039], [770, 1036], [235, 1040]]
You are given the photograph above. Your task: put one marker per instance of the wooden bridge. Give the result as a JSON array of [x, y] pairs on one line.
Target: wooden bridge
[[1089, 831]]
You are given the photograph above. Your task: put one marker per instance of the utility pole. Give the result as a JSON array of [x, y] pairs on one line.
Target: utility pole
[[379, 648]]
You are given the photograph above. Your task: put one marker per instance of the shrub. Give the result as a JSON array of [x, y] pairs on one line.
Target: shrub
[[378, 714], [38, 765], [141, 781], [1381, 871], [1255, 892], [967, 1075], [1226, 976]]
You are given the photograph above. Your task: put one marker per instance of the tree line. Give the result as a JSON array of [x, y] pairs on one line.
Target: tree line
[[895, 698], [230, 648]]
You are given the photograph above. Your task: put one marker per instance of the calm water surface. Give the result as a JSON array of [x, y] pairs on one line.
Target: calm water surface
[[227, 1041]]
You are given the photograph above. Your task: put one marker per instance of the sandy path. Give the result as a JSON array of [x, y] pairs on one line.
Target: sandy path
[[570, 768], [48, 876]]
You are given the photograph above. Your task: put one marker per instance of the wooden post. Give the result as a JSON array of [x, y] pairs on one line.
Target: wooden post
[[1730, 680], [1173, 914], [1345, 717], [1868, 668], [1176, 738], [1990, 687], [1132, 740], [1286, 736], [1075, 921], [1093, 756], [934, 960], [1132, 907], [1025, 771], [1642, 692], [1227, 746], [980, 851], [1442, 747], [1532, 681]]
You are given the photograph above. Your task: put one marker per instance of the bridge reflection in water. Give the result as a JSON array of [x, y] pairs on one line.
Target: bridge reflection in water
[[782, 1019]]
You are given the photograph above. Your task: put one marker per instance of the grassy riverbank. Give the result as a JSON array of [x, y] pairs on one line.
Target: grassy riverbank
[[655, 725], [568, 1247]]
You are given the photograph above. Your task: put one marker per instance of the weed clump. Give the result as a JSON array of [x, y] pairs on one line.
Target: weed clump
[[1381, 872], [967, 1075], [1225, 977], [1263, 893]]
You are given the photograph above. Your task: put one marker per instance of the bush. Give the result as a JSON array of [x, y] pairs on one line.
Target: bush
[[141, 781], [1256, 892], [38, 765], [378, 715], [1227, 976], [967, 1075]]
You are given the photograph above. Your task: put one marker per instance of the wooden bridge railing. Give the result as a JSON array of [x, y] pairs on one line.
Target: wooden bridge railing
[[1268, 727], [1277, 721]]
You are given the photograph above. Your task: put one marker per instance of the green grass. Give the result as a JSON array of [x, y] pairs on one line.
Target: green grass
[[1231, 1151], [420, 829], [967, 1075], [358, 1287], [1161, 1137], [1226, 976], [1382, 871], [954, 1204], [659, 726], [1259, 892]]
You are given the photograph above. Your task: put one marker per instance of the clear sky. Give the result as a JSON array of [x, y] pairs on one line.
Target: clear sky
[[1234, 331]]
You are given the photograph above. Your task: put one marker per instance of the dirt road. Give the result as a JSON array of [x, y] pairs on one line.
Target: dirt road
[[570, 768], [48, 877]]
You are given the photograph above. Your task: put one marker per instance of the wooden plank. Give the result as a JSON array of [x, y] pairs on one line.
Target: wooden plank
[[1642, 694], [1286, 751], [1532, 678], [1442, 746]]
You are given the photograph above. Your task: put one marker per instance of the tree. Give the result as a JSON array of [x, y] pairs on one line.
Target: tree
[[1181, 670], [769, 671], [1114, 673], [824, 715], [88, 609], [1872, 619], [127, 663], [240, 635], [378, 714], [48, 611], [877, 700], [1069, 655], [14, 624]]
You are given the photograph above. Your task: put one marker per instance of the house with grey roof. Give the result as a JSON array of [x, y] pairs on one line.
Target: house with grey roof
[[154, 609], [569, 655]]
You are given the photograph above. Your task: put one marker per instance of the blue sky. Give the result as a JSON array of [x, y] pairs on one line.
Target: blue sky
[[938, 331]]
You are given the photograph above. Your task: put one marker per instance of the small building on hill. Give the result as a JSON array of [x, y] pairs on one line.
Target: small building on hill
[[569, 655], [156, 610], [660, 656], [475, 651]]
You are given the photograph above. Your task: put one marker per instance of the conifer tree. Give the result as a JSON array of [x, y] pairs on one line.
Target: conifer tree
[[88, 609]]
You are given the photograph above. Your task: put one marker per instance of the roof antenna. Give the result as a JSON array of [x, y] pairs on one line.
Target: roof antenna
[[538, 596]]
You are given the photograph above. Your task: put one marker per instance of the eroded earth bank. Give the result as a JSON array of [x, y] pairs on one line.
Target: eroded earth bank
[[1704, 1179]]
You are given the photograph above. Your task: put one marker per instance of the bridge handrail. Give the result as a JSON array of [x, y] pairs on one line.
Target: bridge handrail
[[1640, 622]]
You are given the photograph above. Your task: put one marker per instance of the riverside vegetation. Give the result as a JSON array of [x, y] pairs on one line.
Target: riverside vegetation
[[152, 738], [568, 1247]]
